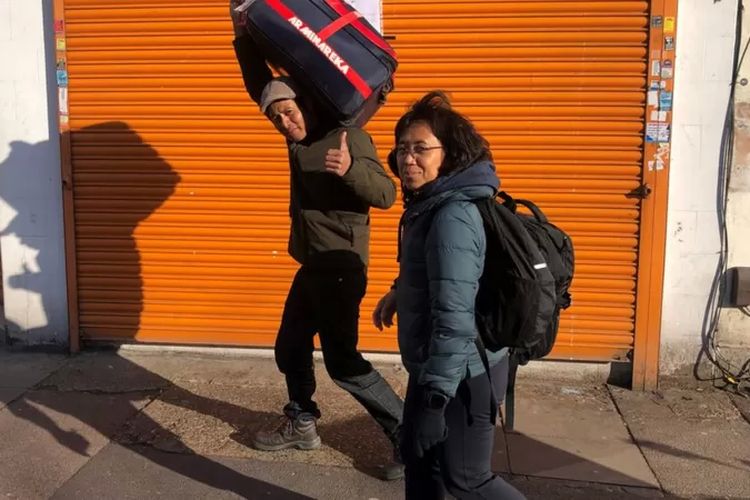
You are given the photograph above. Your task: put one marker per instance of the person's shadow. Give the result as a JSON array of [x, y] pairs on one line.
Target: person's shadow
[[38, 316], [119, 182]]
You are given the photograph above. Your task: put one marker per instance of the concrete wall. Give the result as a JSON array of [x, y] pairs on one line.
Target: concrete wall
[[31, 229], [703, 71], [734, 328]]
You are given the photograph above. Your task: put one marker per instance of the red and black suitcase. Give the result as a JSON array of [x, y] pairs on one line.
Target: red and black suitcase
[[330, 47]]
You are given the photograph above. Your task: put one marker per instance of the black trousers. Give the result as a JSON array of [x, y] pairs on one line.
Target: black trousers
[[326, 301], [460, 465]]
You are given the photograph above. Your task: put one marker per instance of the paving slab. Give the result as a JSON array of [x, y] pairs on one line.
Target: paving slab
[[206, 368], [536, 488], [226, 369], [136, 472], [133, 472], [612, 462], [567, 411], [698, 444], [8, 395], [48, 436], [23, 370], [104, 372], [576, 433]]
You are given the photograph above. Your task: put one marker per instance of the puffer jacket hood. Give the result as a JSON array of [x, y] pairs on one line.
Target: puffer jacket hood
[[479, 176], [475, 182]]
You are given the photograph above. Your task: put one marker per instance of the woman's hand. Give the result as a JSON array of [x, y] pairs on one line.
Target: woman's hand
[[429, 422], [384, 311]]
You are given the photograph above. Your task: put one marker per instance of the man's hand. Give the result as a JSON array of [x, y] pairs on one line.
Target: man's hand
[[338, 161], [238, 18], [384, 311]]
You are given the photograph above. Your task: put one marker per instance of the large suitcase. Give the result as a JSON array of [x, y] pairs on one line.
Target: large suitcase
[[328, 48]]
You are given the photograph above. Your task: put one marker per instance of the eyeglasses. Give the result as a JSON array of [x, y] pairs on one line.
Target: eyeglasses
[[415, 151]]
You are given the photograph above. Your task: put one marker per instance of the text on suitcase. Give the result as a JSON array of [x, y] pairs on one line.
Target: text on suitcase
[[320, 44]]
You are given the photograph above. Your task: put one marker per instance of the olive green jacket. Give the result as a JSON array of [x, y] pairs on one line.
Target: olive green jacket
[[330, 214]]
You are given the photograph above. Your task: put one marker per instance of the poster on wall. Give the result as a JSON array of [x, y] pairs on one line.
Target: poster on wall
[[371, 11]]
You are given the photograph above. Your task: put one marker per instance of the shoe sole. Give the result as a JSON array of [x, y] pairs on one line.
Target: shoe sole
[[300, 445], [390, 473]]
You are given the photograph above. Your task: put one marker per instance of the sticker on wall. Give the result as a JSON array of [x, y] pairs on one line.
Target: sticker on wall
[[61, 64], [653, 98], [669, 25], [62, 100], [657, 22], [62, 78], [64, 119], [59, 26], [663, 134], [659, 116], [654, 85], [665, 101], [60, 44], [657, 132], [668, 43], [661, 157], [663, 84], [656, 68], [667, 72]]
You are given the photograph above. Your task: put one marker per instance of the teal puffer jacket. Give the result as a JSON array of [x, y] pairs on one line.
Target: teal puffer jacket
[[442, 250]]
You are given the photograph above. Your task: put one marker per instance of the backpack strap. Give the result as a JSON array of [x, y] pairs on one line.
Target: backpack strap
[[535, 210], [486, 362], [508, 201], [510, 393]]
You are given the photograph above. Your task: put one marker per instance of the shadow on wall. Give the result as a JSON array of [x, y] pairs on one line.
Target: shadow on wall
[[119, 180], [30, 232], [33, 263]]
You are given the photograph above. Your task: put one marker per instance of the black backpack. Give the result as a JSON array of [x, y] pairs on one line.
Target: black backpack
[[528, 269]]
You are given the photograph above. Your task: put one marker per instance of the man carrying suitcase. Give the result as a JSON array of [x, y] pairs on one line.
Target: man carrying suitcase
[[335, 177]]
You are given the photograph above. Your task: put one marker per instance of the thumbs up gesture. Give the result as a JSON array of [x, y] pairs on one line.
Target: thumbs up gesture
[[339, 160]]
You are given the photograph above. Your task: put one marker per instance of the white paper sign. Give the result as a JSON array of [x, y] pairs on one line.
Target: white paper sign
[[371, 10]]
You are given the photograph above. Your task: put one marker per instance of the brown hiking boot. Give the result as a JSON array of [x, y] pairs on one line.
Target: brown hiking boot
[[300, 433]]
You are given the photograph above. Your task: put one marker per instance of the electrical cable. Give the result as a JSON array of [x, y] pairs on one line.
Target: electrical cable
[[710, 349]]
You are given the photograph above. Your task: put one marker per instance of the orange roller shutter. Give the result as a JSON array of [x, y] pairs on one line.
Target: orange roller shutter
[[181, 187]]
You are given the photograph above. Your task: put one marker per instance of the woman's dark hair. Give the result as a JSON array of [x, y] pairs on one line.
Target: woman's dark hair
[[462, 144]]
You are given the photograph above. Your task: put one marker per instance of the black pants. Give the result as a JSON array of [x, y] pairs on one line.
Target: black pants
[[462, 463], [326, 301]]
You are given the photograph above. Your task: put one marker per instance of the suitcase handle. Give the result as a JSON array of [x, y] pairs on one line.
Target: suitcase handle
[[339, 23]]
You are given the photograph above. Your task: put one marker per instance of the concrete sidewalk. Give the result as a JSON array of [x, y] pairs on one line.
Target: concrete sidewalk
[[179, 425]]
